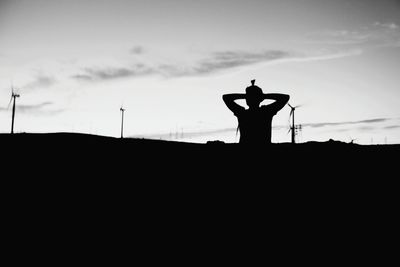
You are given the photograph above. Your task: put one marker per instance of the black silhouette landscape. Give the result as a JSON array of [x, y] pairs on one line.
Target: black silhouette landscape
[[101, 157], [326, 69], [85, 183]]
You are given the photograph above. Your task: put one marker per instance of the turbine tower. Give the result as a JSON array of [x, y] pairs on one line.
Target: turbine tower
[[13, 97], [122, 122], [293, 127]]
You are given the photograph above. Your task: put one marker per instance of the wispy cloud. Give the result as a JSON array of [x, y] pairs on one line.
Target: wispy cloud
[[390, 127], [365, 128], [390, 26], [137, 50], [227, 60], [222, 61], [232, 59], [35, 109], [377, 34], [40, 81], [28, 108], [215, 62], [324, 124], [326, 54], [339, 37], [109, 73]]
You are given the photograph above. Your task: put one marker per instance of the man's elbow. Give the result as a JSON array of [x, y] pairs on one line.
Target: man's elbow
[[225, 98], [286, 98]]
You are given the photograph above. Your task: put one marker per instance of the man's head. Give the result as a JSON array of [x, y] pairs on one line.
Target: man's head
[[254, 95]]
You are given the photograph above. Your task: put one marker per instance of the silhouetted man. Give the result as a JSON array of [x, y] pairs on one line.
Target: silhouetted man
[[256, 121]]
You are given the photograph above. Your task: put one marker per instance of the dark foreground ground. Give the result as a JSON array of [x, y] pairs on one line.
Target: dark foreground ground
[[91, 156], [96, 165], [80, 160], [328, 198]]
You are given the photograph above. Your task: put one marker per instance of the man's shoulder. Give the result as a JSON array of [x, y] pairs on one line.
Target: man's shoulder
[[269, 109], [239, 110]]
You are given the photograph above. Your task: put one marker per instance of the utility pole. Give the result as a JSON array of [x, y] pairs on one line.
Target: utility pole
[[293, 129], [122, 122], [13, 96]]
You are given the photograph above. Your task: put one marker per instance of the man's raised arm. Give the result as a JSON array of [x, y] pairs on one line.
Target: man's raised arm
[[280, 100], [229, 100]]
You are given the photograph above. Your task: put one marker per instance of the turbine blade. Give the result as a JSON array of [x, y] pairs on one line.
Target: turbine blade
[[9, 103], [290, 106]]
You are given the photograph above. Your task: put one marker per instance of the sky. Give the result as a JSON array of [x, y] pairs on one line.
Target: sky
[[168, 63]]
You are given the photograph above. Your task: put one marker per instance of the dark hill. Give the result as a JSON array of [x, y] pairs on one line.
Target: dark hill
[[66, 148], [90, 165], [318, 197], [92, 156]]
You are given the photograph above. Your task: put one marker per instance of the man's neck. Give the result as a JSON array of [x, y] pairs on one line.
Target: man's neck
[[253, 108]]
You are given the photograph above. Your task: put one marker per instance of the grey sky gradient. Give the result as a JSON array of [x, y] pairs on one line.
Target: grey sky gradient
[[169, 62]]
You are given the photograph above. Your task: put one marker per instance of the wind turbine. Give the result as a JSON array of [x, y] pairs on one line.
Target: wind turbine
[[294, 127], [122, 122], [13, 97]]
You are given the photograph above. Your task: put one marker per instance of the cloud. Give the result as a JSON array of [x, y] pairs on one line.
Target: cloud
[[324, 55], [232, 59], [365, 128], [339, 37], [228, 60], [339, 43], [28, 108], [220, 61], [109, 73], [215, 62], [391, 26], [137, 50], [34, 109], [324, 124], [390, 127], [82, 77], [40, 81], [375, 35]]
